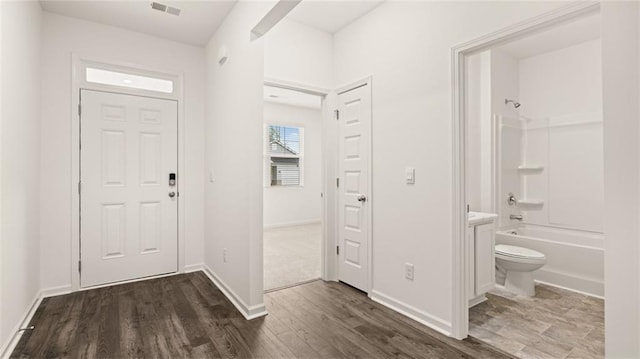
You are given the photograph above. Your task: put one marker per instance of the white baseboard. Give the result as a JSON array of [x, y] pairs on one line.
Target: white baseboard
[[55, 291], [416, 314], [477, 300], [569, 289], [292, 224], [249, 312], [8, 347], [189, 268], [570, 282]]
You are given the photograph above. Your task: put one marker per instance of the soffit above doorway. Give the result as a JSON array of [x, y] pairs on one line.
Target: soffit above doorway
[[556, 38], [331, 16]]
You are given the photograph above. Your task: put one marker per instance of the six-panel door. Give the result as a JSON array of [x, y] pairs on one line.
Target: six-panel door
[[128, 221], [354, 108]]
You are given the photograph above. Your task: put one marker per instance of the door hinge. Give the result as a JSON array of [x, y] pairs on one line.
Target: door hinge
[[338, 250], [337, 181], [337, 114], [79, 110], [79, 266]]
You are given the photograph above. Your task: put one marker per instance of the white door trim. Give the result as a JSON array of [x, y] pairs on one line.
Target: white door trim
[[370, 196], [460, 315], [78, 63], [326, 260]]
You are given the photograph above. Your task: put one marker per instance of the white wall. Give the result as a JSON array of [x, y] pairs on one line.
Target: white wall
[[64, 36], [233, 137], [474, 129], [562, 82], [300, 54], [21, 31], [286, 205], [561, 94], [411, 74], [620, 64]]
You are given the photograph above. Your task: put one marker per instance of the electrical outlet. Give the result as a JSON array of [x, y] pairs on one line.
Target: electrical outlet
[[408, 271], [224, 255], [410, 175]]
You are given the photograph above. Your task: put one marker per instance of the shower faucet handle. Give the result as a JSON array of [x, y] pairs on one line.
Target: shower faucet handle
[[511, 199]]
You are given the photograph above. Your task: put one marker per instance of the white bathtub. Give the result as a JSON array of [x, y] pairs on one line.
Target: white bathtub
[[575, 259]]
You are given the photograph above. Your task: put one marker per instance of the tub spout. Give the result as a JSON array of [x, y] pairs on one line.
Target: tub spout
[[517, 217]]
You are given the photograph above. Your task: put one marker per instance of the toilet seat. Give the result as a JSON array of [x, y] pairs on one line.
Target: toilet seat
[[517, 252]]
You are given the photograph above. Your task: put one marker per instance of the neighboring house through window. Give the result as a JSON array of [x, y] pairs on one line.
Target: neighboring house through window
[[284, 149]]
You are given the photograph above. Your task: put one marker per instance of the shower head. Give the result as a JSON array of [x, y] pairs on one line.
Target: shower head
[[515, 103]]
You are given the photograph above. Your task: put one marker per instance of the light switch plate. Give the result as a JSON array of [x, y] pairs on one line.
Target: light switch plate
[[410, 175]]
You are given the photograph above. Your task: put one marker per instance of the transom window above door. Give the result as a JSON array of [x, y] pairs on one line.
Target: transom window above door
[[127, 80], [284, 150]]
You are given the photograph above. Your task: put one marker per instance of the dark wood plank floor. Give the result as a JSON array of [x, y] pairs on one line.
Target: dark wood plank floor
[[187, 316]]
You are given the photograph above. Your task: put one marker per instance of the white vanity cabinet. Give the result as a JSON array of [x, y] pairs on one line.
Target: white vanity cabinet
[[480, 256]]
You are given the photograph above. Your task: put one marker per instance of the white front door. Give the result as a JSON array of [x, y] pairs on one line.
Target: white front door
[[354, 122], [128, 208]]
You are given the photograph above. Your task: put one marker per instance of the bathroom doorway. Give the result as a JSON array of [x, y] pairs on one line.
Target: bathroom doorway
[[534, 184]]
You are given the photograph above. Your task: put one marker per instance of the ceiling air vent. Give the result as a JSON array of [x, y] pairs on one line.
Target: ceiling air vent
[[173, 10], [165, 8], [158, 6]]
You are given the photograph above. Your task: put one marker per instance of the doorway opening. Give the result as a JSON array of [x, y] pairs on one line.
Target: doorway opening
[[533, 185], [293, 194]]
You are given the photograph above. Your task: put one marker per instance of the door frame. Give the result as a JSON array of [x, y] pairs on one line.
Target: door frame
[[459, 54], [325, 260], [78, 64], [367, 81]]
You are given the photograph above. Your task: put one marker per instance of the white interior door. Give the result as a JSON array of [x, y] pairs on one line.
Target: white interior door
[[354, 122], [128, 208]]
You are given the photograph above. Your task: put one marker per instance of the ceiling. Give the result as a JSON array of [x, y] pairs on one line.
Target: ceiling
[[556, 38], [198, 20], [331, 15], [291, 97], [196, 24]]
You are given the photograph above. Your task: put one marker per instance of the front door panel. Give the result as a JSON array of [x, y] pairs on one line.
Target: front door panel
[[128, 221]]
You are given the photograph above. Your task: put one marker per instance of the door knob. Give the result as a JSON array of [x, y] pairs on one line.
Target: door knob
[[362, 198], [172, 194]]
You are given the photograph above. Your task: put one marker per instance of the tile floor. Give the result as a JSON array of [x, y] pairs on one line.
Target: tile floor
[[291, 255], [554, 324]]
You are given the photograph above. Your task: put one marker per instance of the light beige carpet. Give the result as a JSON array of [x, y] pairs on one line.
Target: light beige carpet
[[291, 255]]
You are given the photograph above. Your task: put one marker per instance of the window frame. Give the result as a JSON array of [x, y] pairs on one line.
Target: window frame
[[267, 156]]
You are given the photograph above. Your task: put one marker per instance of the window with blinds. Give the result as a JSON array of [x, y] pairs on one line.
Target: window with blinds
[[283, 155]]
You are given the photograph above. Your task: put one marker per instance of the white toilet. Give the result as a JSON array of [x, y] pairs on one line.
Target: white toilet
[[515, 266]]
